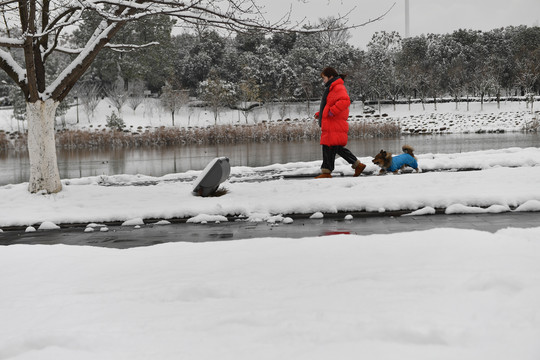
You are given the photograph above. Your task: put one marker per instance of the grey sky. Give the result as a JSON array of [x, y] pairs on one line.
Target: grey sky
[[426, 16]]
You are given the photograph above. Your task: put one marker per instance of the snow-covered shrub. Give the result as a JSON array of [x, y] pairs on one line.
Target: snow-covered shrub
[[115, 122], [532, 126], [217, 93]]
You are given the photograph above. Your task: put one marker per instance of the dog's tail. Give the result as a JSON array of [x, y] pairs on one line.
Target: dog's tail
[[408, 150]]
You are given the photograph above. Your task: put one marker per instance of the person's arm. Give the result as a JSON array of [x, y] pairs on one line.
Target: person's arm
[[343, 102]]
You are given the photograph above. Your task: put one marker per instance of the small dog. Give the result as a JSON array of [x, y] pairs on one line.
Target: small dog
[[387, 162]]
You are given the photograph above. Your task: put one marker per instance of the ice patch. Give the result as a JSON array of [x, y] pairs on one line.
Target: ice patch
[[47, 225], [162, 222], [463, 209], [94, 225], [428, 210], [133, 222], [205, 218], [274, 219], [258, 217]]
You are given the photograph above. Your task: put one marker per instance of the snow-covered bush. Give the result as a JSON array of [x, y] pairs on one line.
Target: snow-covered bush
[[532, 126], [115, 122]]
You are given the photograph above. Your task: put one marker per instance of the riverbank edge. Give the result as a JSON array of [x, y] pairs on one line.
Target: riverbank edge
[[230, 218]]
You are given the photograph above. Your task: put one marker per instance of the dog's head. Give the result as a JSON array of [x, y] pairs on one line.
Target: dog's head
[[383, 159]]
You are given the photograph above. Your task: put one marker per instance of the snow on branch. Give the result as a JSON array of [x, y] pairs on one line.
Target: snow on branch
[[130, 47], [57, 87], [9, 42], [10, 66], [114, 47]]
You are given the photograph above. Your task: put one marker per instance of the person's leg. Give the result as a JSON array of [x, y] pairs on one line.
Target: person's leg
[[351, 159], [329, 157], [346, 154]]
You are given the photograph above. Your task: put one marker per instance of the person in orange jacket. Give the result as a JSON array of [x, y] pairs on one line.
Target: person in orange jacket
[[332, 116]]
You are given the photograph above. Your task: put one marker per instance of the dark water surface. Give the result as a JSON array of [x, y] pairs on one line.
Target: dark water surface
[[14, 166]]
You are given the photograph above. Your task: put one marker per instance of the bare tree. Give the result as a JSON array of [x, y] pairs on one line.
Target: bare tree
[[249, 96], [528, 74], [173, 100], [38, 28], [117, 94], [90, 95], [339, 35], [136, 94]]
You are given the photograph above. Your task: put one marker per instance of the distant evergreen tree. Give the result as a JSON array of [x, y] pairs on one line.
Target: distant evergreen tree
[[151, 64]]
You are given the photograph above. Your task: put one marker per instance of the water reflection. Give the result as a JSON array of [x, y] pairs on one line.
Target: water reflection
[[14, 166]]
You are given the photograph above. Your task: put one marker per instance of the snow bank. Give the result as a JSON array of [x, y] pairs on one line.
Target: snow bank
[[437, 294], [507, 179]]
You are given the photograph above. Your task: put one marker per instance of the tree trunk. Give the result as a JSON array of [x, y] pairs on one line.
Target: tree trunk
[[44, 175], [482, 102]]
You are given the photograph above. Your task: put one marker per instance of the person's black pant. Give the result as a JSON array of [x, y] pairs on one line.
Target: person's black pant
[[329, 156]]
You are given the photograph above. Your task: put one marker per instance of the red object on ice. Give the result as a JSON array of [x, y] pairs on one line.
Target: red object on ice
[[337, 233]]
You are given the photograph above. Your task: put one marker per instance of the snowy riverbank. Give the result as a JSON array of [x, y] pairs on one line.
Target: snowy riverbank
[[445, 118], [505, 179]]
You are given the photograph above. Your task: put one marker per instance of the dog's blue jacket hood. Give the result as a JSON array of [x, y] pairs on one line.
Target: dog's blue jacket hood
[[404, 159]]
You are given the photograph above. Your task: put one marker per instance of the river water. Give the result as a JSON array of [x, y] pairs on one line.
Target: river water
[[14, 166]]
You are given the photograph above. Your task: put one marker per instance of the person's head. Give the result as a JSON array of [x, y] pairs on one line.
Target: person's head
[[329, 72]]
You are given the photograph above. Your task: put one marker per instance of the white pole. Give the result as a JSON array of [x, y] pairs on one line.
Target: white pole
[[407, 23]]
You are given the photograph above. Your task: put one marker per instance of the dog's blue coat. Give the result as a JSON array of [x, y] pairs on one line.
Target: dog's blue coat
[[404, 159]]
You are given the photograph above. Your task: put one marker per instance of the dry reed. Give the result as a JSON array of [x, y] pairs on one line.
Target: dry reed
[[280, 131], [4, 141]]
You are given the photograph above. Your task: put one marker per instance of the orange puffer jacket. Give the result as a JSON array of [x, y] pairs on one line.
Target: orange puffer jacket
[[335, 128]]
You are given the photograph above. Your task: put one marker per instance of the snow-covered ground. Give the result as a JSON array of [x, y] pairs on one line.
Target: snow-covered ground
[[502, 180], [437, 294], [510, 116], [441, 294]]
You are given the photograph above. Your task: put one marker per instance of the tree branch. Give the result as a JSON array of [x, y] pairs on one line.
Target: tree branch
[[11, 43], [38, 41], [12, 69]]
